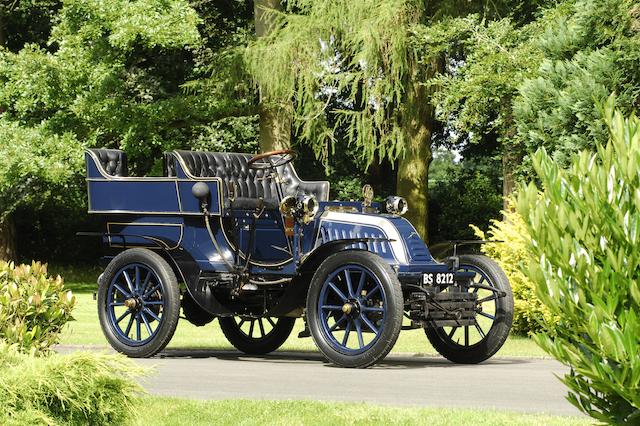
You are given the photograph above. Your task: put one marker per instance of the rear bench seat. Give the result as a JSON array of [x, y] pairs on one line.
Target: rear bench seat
[[249, 185]]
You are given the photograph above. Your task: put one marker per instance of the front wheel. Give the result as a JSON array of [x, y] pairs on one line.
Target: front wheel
[[138, 303], [354, 308], [494, 316]]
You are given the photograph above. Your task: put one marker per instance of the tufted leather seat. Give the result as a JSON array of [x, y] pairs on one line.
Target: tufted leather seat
[[249, 184], [113, 161]]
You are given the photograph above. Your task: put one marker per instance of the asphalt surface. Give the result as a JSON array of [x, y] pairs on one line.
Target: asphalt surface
[[518, 384]]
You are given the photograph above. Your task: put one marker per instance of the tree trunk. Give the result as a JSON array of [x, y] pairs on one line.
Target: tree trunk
[[509, 160], [3, 32], [511, 157], [7, 239], [413, 178], [413, 168], [275, 122]]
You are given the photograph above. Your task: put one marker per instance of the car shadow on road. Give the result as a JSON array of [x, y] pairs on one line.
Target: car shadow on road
[[391, 362]]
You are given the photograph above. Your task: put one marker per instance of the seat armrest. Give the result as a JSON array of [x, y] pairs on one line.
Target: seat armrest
[[319, 188]]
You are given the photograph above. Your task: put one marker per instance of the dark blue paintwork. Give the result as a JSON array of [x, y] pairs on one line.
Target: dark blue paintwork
[[162, 214]]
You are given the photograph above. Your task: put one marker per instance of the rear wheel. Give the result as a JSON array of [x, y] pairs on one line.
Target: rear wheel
[[494, 316], [138, 303], [256, 336], [354, 308]]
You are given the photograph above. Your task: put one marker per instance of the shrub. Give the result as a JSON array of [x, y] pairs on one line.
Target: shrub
[[80, 388], [510, 250], [585, 229], [33, 306]]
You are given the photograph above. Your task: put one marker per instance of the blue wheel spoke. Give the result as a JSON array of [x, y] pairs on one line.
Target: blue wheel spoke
[[116, 304], [143, 287], [138, 330], [347, 276], [347, 330], [121, 290], [363, 275], [480, 330], [337, 323], [153, 302], [452, 332], [331, 307], [338, 292], [262, 333], [372, 309], [369, 323], [251, 328], [123, 316], [128, 280], [359, 331], [374, 291], [148, 293], [137, 284], [150, 312], [146, 323], [128, 330], [484, 314]]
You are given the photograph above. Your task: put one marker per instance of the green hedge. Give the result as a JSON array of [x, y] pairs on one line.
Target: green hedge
[[585, 236]]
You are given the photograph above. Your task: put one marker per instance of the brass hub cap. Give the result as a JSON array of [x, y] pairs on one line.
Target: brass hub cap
[[350, 308], [131, 303]]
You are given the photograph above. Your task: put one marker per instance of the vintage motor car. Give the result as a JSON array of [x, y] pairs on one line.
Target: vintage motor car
[[243, 239]]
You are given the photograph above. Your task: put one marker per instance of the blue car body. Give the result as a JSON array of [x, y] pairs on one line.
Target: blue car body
[[160, 213]]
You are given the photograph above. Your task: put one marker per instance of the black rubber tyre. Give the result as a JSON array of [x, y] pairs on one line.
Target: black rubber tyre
[[494, 338], [269, 339], [168, 286], [375, 351]]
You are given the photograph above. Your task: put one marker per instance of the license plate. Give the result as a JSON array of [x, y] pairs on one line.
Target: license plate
[[438, 278]]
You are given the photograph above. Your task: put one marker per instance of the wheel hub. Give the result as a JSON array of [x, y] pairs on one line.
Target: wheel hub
[[351, 308], [131, 303]]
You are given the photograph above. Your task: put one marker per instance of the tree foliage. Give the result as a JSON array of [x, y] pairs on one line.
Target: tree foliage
[[133, 75], [591, 49], [340, 65]]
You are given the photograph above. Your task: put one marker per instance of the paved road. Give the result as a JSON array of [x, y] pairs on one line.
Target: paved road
[[518, 384]]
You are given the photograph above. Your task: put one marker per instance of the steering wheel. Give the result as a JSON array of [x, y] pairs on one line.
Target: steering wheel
[[264, 161]]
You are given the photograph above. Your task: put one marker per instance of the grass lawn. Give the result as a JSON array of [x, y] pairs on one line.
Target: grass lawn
[[85, 330], [167, 411]]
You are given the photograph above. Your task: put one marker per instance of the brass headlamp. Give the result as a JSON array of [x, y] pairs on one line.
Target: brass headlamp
[[302, 207], [396, 205]]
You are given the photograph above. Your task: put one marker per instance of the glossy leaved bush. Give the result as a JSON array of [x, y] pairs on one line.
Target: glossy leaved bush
[[34, 307], [585, 234], [509, 247]]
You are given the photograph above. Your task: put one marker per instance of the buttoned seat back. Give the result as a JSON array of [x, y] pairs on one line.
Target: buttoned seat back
[[247, 183], [112, 161]]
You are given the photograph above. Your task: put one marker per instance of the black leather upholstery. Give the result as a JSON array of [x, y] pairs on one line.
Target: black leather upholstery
[[248, 184], [112, 161]]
